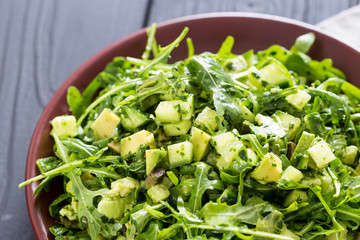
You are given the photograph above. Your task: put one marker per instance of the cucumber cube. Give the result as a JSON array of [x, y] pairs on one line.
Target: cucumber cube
[[180, 154], [228, 146], [295, 195], [64, 126], [131, 119], [276, 74], [177, 129], [321, 154], [112, 208], [201, 143], [105, 124], [168, 111], [350, 155], [153, 158], [299, 99], [293, 174], [290, 123], [207, 118]]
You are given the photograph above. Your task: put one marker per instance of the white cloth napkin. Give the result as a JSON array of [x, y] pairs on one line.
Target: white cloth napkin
[[345, 25]]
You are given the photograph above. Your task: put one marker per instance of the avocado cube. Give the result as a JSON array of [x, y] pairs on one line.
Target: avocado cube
[[295, 195], [122, 187], [132, 119], [158, 193], [177, 129], [115, 146], [292, 173], [180, 154], [290, 123], [153, 158], [168, 111], [269, 170], [64, 126], [321, 154], [299, 99], [105, 124], [132, 143], [201, 143], [207, 118], [112, 208], [350, 155]]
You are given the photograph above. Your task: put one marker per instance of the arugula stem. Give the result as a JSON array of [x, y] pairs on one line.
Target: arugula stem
[[307, 227]]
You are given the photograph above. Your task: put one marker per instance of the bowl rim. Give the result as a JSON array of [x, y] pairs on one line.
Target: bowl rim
[[35, 139]]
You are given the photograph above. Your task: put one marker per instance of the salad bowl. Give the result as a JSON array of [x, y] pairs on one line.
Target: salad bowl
[[207, 31]]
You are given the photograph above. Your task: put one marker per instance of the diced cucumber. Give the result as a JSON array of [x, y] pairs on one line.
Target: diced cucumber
[[276, 74], [227, 145], [122, 187], [131, 119], [168, 111], [201, 143], [321, 154], [269, 170], [177, 129], [350, 154], [292, 173], [115, 146], [64, 126], [254, 76], [187, 108], [295, 195], [132, 143], [207, 118], [105, 124], [180, 154], [154, 157], [290, 123], [299, 99], [158, 193], [270, 126]]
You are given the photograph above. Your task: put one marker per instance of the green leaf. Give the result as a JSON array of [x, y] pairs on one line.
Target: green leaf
[[210, 76], [201, 183], [56, 205]]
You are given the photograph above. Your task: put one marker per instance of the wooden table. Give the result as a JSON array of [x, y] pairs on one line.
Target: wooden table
[[43, 41]]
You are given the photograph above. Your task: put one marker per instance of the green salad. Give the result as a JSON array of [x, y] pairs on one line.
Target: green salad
[[258, 145]]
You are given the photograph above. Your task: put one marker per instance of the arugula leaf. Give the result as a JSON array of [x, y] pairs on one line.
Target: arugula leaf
[[201, 183], [210, 76]]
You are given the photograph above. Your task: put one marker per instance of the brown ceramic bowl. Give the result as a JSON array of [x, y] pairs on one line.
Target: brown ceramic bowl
[[208, 31]]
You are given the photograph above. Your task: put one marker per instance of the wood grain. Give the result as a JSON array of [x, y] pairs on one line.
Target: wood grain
[[42, 42], [310, 11]]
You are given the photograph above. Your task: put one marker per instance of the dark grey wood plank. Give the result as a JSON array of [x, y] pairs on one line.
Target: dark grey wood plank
[[41, 43], [310, 11]]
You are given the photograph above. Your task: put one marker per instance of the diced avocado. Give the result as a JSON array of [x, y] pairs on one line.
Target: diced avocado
[[269, 170], [222, 164], [122, 187], [207, 118], [180, 154], [321, 154], [153, 158], [68, 211], [270, 126], [350, 155], [290, 123], [115, 146], [132, 143], [149, 102], [201, 143], [295, 195], [177, 129], [299, 99], [112, 208], [252, 156], [293, 174], [276, 74], [227, 145], [132, 119], [64, 126], [105, 124], [158, 193], [168, 111]]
